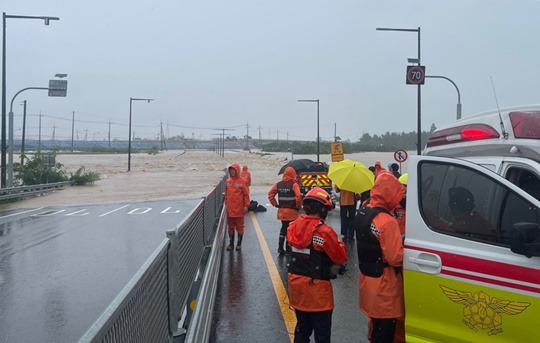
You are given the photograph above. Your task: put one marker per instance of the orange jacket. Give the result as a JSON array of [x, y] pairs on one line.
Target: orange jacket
[[382, 297], [236, 193], [246, 175], [400, 215], [287, 214], [346, 198], [307, 294]]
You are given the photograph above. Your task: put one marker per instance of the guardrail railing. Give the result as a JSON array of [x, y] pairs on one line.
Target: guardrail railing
[[155, 305], [20, 192]]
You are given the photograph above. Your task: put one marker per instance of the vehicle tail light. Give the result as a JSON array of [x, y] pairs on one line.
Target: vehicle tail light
[[465, 133], [526, 124]]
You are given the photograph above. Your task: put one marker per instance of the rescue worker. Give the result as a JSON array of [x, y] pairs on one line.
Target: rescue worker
[[400, 214], [289, 201], [237, 202], [316, 255], [466, 220], [394, 168], [399, 211], [380, 258], [347, 211], [378, 168], [246, 174]]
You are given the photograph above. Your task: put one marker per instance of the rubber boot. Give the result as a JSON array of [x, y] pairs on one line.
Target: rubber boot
[[231, 242], [280, 245], [239, 243]]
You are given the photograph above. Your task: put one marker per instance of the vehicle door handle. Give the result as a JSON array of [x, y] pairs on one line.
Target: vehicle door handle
[[427, 263]]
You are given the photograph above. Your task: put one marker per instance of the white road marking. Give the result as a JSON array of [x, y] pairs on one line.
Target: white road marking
[[119, 208], [23, 212]]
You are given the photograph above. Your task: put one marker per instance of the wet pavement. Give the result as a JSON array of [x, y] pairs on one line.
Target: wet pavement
[[247, 308], [60, 267]]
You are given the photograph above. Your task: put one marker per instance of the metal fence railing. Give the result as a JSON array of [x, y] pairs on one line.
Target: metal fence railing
[[21, 192], [153, 305]]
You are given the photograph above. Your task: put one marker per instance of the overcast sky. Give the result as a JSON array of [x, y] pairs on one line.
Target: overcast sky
[[222, 64]]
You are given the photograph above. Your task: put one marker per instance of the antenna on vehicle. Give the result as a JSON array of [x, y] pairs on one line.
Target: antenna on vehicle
[[505, 134]]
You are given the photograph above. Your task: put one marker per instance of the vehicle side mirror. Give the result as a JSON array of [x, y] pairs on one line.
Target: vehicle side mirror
[[525, 239]]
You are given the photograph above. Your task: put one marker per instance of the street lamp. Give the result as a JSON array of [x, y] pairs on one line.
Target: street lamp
[[458, 109], [129, 138], [419, 102], [4, 17], [318, 136]]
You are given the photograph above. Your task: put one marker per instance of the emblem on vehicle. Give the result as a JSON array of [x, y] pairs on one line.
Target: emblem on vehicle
[[482, 311]]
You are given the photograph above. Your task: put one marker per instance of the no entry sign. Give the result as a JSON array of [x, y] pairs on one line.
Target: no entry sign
[[400, 155]]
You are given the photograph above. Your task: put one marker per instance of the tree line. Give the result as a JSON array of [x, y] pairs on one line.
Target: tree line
[[389, 141]]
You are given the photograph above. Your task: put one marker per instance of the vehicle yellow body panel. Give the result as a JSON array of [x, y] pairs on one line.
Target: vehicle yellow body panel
[[442, 309]]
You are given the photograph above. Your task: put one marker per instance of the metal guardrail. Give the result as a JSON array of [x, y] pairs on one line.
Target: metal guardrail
[[155, 304], [32, 190]]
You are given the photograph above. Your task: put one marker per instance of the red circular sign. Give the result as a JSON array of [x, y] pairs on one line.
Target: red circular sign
[[416, 75], [400, 155]]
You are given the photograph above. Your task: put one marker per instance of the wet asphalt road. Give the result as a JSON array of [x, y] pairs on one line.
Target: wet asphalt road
[[247, 309], [60, 267]]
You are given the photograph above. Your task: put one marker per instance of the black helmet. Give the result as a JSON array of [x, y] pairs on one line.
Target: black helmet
[[461, 199]]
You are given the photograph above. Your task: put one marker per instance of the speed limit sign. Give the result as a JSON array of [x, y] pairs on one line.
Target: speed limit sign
[[416, 75]]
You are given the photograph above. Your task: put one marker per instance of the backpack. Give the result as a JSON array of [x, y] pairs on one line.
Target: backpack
[[368, 247]]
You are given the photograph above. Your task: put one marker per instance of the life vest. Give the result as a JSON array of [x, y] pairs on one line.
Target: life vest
[[286, 196], [369, 249], [312, 263]]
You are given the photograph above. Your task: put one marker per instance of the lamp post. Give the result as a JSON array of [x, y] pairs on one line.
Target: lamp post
[[458, 108], [419, 97], [318, 136], [10, 160], [4, 17], [129, 138]]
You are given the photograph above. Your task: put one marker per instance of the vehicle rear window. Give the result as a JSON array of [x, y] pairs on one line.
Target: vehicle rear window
[[526, 124]]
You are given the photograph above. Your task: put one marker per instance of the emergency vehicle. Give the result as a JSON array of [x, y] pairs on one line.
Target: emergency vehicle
[[315, 176], [474, 276]]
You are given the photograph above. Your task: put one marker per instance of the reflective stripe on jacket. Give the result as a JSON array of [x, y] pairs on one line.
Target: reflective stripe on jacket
[[306, 293], [287, 214]]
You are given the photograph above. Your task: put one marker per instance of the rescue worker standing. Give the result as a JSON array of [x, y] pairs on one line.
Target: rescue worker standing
[[246, 175], [347, 212], [237, 202], [316, 255], [380, 258], [288, 203]]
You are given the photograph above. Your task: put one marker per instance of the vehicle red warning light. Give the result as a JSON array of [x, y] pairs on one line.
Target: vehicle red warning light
[[463, 133]]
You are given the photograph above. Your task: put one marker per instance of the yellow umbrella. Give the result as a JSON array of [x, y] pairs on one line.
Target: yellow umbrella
[[351, 176]]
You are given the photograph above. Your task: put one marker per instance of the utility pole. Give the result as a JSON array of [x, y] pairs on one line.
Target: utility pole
[[260, 138], [109, 133], [23, 133], [53, 132], [247, 136], [39, 136], [86, 135], [72, 129]]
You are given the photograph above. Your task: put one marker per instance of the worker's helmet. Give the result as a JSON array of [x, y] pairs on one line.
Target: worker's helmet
[[461, 199], [320, 195], [403, 179]]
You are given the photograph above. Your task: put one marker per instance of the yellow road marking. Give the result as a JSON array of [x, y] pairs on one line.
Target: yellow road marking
[[283, 299]]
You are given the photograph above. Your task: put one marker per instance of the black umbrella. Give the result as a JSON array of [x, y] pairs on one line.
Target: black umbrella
[[299, 166]]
